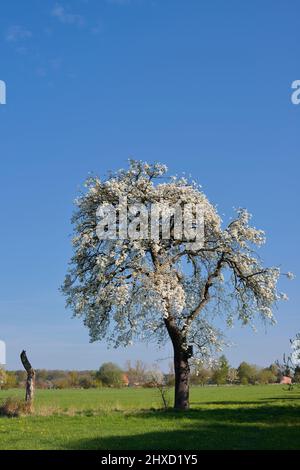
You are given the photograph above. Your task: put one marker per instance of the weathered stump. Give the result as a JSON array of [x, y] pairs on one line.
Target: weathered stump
[[30, 382]]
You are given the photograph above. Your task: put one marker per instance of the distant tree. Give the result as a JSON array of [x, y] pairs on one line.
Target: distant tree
[[220, 372], [61, 384], [247, 373], [56, 374], [170, 375], [157, 381], [266, 376], [232, 376], [136, 372], [41, 374], [73, 377], [127, 288], [200, 376], [87, 382], [20, 377], [11, 381], [42, 384], [154, 376], [2, 377], [110, 374], [275, 371]]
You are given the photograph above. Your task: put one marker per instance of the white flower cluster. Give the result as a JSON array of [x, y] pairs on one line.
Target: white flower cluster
[[168, 289]]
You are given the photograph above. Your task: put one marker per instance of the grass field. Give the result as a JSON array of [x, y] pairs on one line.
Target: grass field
[[249, 417]]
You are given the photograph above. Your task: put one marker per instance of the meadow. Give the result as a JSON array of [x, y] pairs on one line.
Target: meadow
[[227, 417]]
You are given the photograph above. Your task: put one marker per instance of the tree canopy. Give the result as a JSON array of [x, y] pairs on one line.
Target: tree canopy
[[125, 289]]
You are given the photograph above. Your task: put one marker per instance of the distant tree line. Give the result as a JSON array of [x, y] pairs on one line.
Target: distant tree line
[[138, 374], [222, 373]]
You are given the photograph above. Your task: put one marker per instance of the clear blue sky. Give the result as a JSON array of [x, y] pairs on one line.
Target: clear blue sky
[[203, 86]]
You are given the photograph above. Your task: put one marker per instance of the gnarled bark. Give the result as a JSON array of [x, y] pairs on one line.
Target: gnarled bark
[[182, 375], [181, 366], [30, 382]]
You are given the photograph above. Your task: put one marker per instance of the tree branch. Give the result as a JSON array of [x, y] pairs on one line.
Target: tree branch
[[205, 296]]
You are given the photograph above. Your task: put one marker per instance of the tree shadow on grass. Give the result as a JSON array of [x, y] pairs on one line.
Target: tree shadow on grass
[[291, 398], [253, 428], [213, 437], [258, 403], [263, 413], [224, 403]]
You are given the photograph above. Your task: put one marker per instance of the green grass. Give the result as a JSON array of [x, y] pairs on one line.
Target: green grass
[[254, 417]]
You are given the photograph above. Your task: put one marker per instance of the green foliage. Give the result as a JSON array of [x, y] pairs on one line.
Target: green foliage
[[170, 380], [275, 370], [201, 376], [266, 376], [73, 378], [61, 384], [110, 374], [220, 373], [247, 373], [87, 382], [2, 378], [11, 381]]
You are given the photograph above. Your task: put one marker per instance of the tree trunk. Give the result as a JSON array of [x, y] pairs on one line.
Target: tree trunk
[[182, 375], [29, 395], [181, 365]]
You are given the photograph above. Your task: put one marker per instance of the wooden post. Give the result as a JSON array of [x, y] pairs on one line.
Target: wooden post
[[30, 380]]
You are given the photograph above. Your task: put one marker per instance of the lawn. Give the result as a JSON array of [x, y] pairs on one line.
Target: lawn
[[249, 417]]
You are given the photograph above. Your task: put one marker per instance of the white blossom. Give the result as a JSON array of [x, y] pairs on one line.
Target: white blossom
[[127, 289]]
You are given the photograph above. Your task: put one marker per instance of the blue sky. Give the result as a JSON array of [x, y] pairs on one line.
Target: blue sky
[[203, 86]]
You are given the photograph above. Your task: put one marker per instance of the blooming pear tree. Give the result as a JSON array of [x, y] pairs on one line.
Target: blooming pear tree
[[163, 288]]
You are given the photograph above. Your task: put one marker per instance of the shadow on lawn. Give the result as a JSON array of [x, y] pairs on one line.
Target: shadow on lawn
[[291, 398], [224, 403], [258, 403], [253, 428]]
